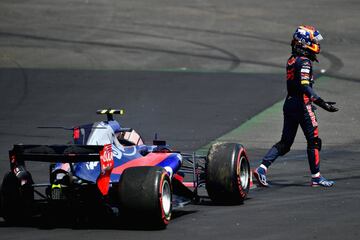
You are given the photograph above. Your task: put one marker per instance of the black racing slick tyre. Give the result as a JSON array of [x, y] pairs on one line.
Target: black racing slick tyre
[[227, 171], [16, 199], [145, 196]]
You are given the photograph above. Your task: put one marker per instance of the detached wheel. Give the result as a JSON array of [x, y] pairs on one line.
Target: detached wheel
[[16, 199], [145, 195], [227, 171]]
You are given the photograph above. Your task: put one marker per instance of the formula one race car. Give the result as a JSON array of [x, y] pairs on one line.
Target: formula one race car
[[109, 168]]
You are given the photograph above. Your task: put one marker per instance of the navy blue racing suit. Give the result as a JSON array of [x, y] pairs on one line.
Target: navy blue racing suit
[[298, 110]]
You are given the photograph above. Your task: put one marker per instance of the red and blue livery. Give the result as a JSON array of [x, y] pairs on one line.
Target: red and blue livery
[[108, 169]]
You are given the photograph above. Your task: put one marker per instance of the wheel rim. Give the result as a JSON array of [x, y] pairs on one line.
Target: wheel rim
[[166, 198], [244, 172]]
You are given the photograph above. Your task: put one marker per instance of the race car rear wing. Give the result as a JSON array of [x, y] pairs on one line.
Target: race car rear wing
[[65, 154], [55, 153]]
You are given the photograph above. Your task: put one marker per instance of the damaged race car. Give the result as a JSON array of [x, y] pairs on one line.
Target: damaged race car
[[108, 168]]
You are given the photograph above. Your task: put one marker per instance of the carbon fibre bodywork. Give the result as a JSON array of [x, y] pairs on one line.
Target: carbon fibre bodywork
[[110, 169]]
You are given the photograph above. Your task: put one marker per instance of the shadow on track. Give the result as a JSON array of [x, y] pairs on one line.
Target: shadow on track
[[91, 222]]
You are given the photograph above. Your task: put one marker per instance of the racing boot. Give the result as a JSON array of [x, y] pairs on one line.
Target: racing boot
[[260, 175], [321, 181]]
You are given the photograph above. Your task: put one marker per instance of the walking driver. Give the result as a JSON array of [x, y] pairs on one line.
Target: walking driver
[[298, 108]]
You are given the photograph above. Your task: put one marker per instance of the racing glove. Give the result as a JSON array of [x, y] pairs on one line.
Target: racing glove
[[328, 106]]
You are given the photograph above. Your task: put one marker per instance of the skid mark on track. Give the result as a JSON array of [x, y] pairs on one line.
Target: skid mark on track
[[229, 57], [336, 64], [23, 82], [234, 58]]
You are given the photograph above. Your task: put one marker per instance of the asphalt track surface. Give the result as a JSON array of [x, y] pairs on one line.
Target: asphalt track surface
[[190, 71]]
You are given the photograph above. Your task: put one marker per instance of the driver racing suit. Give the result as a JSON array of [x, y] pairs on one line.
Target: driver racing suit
[[298, 110]]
